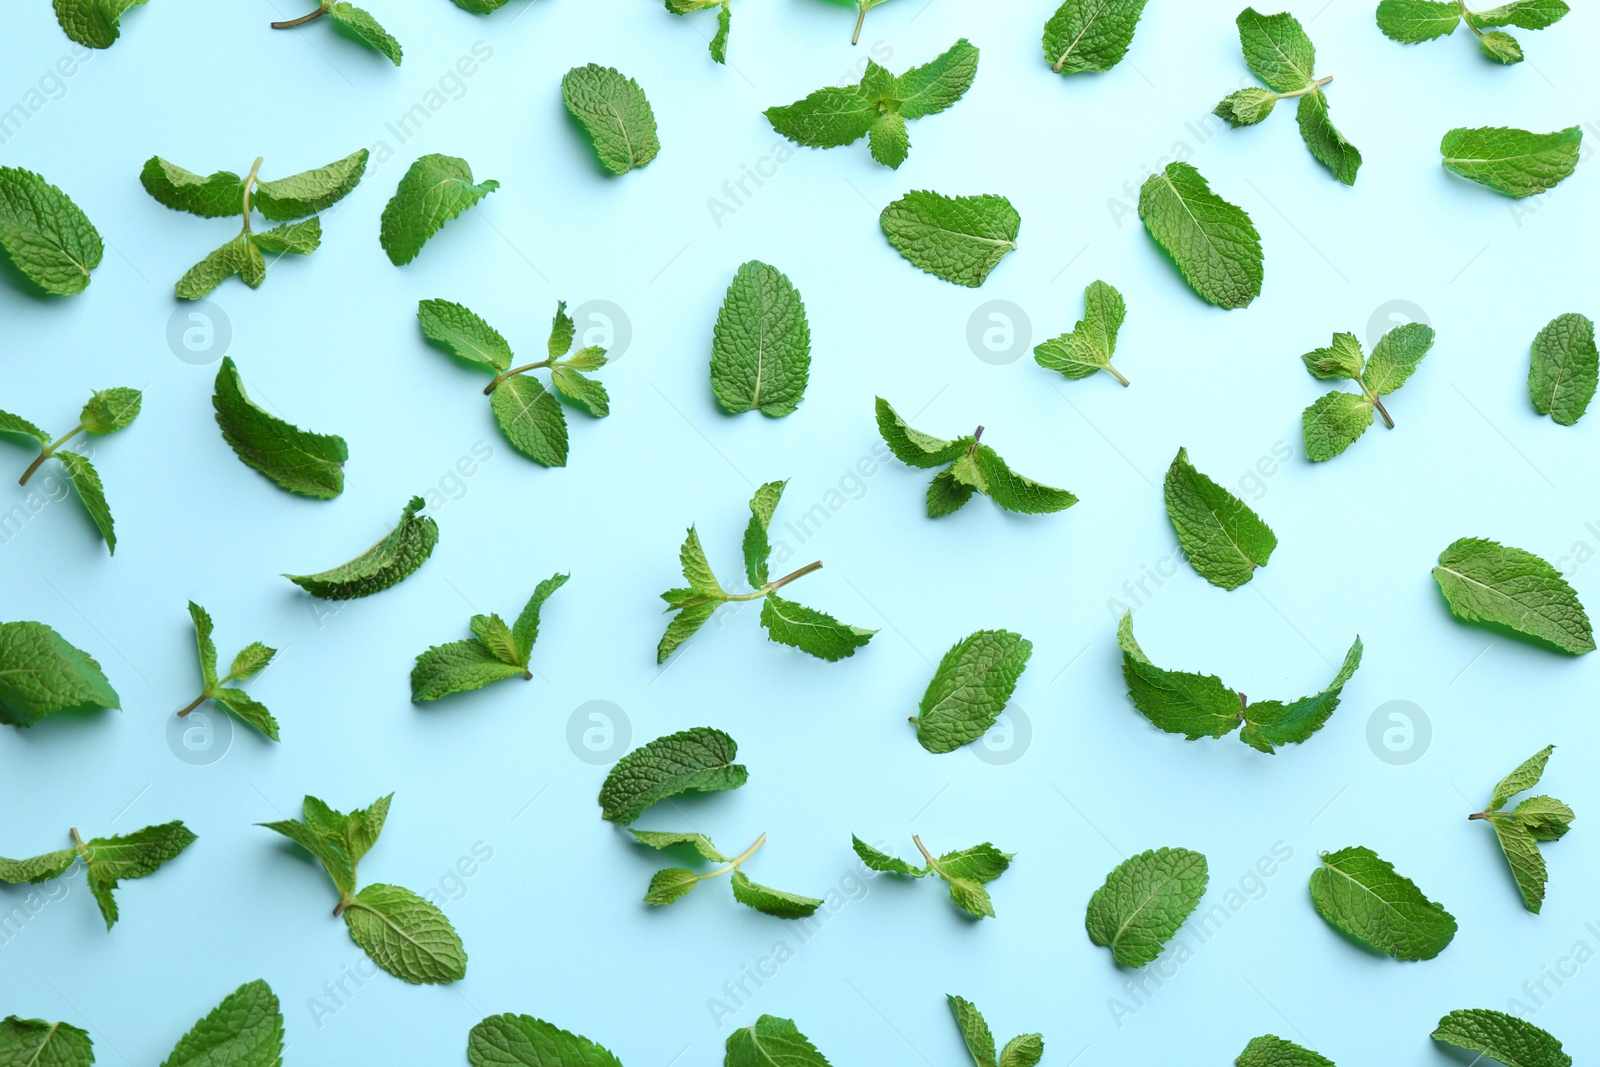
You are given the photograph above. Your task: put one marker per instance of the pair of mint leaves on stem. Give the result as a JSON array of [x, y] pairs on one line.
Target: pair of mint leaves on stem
[[1415, 21], [1200, 705], [970, 467], [1277, 50], [1511, 589], [46, 236], [495, 651], [1336, 421], [879, 106], [223, 194], [106, 412], [1521, 829], [786, 622], [965, 871], [530, 416], [402, 933], [699, 760], [350, 20], [41, 674], [245, 1030], [251, 660], [106, 861]]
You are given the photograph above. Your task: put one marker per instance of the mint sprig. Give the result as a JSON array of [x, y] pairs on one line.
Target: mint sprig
[[354, 22], [1338, 419], [672, 884], [1024, 1050], [719, 41], [1520, 829], [251, 660], [106, 861], [495, 652], [1415, 21], [106, 412], [965, 871]]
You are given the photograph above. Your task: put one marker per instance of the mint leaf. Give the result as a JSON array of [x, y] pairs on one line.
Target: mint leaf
[[28, 1042], [1024, 1050], [1503, 1038], [878, 860], [531, 419], [1144, 902], [661, 839], [109, 860], [1484, 581], [960, 239], [338, 841], [1328, 146], [1520, 830], [879, 106], [359, 24], [1270, 723], [245, 1030], [95, 23], [37, 869], [674, 883], [1342, 359], [913, 447], [772, 1042], [1220, 536], [481, 7], [1335, 421], [1272, 1051], [46, 236], [1213, 243], [1415, 21], [435, 190], [1515, 162], [41, 674], [496, 652], [973, 467], [405, 935], [311, 464], [1564, 371], [971, 687], [1090, 34], [463, 334], [523, 1041], [310, 191], [385, 564], [761, 349], [1088, 348], [1276, 49], [212, 196], [1524, 14], [719, 41], [757, 547], [1246, 107], [21, 427], [1361, 895], [769, 901], [613, 110], [699, 760], [809, 630], [965, 871], [251, 660]]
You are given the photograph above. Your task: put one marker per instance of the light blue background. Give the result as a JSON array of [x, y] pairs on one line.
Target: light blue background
[[553, 922]]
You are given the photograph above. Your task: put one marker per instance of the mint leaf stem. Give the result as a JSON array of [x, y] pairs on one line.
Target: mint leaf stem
[[489, 389], [733, 864], [49, 451], [1377, 403], [290, 24], [250, 183], [917, 840], [862, 6], [772, 587]]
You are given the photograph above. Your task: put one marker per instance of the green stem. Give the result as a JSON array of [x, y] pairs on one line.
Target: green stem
[[1483, 815], [773, 587], [933, 864], [1466, 16], [734, 863], [977, 435], [249, 184], [303, 19], [860, 18], [513, 372], [77, 843], [201, 699], [1377, 402], [49, 450], [1313, 87], [1117, 375]]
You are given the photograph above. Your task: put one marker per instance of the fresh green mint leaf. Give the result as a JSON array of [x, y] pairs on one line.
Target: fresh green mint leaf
[[1342, 359], [109, 860], [660, 839], [1415, 21], [1328, 146], [674, 883], [523, 1041], [757, 547], [245, 1030], [1090, 34], [1144, 902], [1220, 536], [1276, 49], [1212, 242], [613, 110], [913, 447], [214, 196], [772, 1042], [878, 860], [1363, 896], [37, 869], [1088, 348], [1246, 107], [358, 23], [310, 191], [46, 236], [1024, 1050], [94, 23], [809, 630], [971, 688], [481, 7], [385, 564], [1500, 47], [1502, 1038], [311, 464], [699, 760], [761, 348], [1486, 582], [1524, 14], [435, 190], [965, 871], [719, 41], [1565, 366], [495, 652], [960, 239], [463, 334], [36, 1043], [769, 901], [41, 674], [406, 935], [251, 660], [1520, 830], [1334, 422], [972, 467], [1272, 1051], [1514, 162]]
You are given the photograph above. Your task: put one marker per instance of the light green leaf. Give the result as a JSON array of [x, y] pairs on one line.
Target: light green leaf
[[971, 687], [1089, 346], [772, 1042], [1525, 777], [207, 647], [937, 85], [1484, 581], [809, 630], [239, 256], [1525, 14], [660, 839], [457, 667], [248, 710], [912, 446], [1322, 137], [95, 23], [16, 424], [1090, 34], [435, 190], [463, 334], [881, 861], [828, 118], [698, 760], [1144, 902], [670, 885], [1500, 47], [36, 1043], [1396, 358], [683, 626], [1012, 491], [1564, 372], [761, 348], [1333, 423], [47, 236], [770, 901], [252, 659], [245, 1030], [1277, 49], [1503, 1038], [616, 115], [385, 564], [532, 420], [1362, 895], [1212, 242], [1515, 162], [310, 191], [311, 464], [294, 238], [1272, 1051], [756, 546], [86, 480], [960, 239], [526, 629], [406, 935], [1343, 359], [1415, 21], [359, 23], [1220, 536], [523, 1041], [110, 410]]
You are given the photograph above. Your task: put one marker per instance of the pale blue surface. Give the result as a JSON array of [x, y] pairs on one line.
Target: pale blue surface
[[552, 923]]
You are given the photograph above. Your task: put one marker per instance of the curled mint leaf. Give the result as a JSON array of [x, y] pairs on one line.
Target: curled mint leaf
[[433, 191], [385, 564], [1501, 1037], [700, 760], [311, 464], [106, 862]]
